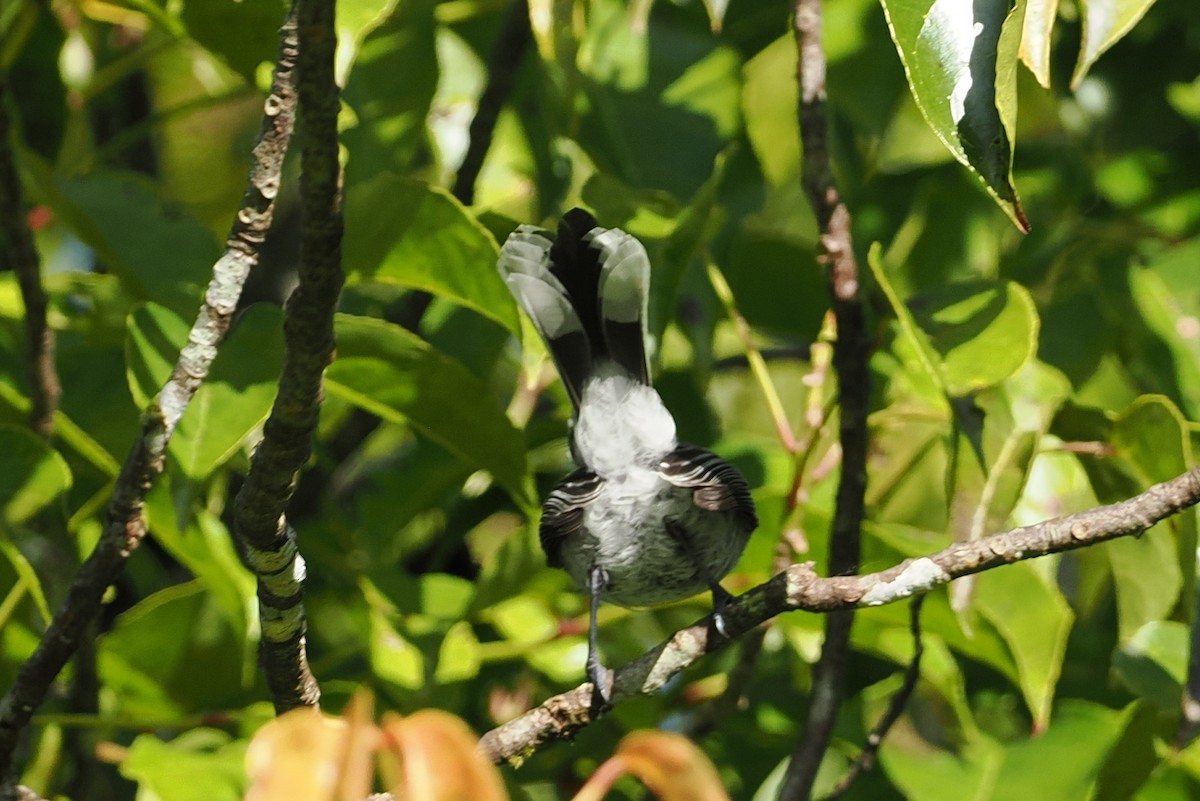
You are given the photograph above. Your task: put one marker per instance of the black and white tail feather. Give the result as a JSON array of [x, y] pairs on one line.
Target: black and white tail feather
[[645, 519]]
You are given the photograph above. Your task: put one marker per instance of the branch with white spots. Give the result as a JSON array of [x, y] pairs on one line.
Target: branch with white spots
[[800, 588]]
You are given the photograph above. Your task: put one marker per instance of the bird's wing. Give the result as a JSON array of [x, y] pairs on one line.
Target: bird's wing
[[716, 485], [562, 511]]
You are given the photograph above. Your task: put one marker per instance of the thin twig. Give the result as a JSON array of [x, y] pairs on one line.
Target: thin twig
[[124, 522], [268, 542], [22, 256], [866, 758], [758, 366], [799, 587], [850, 353]]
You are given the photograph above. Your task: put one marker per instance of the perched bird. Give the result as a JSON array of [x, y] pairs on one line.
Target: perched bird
[[645, 519]]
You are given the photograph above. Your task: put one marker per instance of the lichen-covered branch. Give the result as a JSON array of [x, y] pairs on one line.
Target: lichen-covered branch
[[124, 524], [799, 587], [268, 542], [22, 257]]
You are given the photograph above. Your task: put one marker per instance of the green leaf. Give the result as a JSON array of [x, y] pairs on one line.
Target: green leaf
[[403, 232], [1104, 23], [769, 107], [393, 658], [198, 765], [523, 619], [155, 676], [960, 59], [982, 332], [1146, 578], [1062, 762], [161, 253], [398, 376], [200, 542], [1151, 437], [1065, 760], [1035, 620], [1166, 297], [27, 581], [32, 475], [234, 400], [925, 358], [458, 657], [390, 114], [1036, 40], [242, 33], [1153, 663]]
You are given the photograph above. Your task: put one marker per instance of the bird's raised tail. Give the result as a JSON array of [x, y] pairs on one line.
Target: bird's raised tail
[[587, 291]]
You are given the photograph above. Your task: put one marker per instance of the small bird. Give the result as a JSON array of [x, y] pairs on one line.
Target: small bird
[[645, 519]]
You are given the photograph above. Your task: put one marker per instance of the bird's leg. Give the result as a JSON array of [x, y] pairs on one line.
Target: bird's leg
[[720, 595], [602, 677]]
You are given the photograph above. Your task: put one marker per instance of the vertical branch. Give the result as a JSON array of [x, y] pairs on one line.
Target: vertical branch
[[124, 524], [268, 541], [850, 363], [22, 256]]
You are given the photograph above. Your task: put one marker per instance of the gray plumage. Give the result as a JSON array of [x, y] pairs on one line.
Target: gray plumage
[[645, 519]]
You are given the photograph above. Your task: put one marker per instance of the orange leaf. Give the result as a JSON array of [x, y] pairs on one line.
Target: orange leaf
[[300, 756], [438, 756], [669, 764]]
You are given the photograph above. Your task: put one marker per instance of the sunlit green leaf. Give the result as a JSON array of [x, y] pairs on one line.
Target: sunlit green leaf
[[458, 658], [982, 332], [1036, 41], [404, 232], [233, 401], [197, 765], [394, 658], [960, 59], [1104, 23], [1035, 621], [1153, 662], [769, 106], [32, 475]]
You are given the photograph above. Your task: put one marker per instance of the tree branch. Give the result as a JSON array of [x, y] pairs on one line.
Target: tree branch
[[124, 523], [22, 256], [850, 355], [799, 587], [268, 542], [899, 701]]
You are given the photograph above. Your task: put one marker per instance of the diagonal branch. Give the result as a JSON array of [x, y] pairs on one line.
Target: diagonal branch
[[799, 587], [21, 255], [510, 46], [125, 524], [268, 542]]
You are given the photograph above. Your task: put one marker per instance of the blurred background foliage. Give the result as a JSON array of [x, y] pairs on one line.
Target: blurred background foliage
[[1014, 376]]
